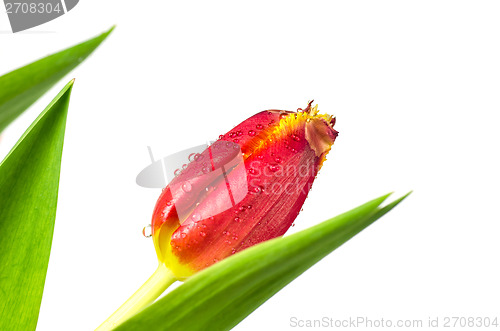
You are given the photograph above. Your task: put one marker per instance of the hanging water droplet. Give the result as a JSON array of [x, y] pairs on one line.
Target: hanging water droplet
[[184, 166], [191, 157], [146, 231]]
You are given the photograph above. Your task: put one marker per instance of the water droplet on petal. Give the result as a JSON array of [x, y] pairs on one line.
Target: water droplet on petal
[[278, 159], [177, 172], [203, 234], [146, 231], [205, 170], [196, 217], [273, 167], [236, 219], [186, 187], [249, 207], [252, 133], [183, 235], [221, 136], [295, 137], [256, 189], [191, 157], [259, 126]]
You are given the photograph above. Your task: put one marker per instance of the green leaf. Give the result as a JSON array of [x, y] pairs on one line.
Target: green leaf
[[29, 181], [221, 296], [20, 88]]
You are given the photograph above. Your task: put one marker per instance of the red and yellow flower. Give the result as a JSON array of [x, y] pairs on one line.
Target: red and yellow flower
[[245, 188]]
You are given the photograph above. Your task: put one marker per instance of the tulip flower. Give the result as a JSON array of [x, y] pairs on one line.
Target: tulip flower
[[245, 188]]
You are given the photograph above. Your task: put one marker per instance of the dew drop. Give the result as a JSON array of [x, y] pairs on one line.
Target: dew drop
[[186, 187], [183, 235], [205, 170], [184, 166], [273, 167], [256, 189], [252, 171], [241, 208], [278, 159], [169, 203], [221, 136], [236, 141], [295, 137], [233, 251], [146, 231], [196, 217], [239, 133], [260, 157], [191, 157], [252, 133], [235, 238], [232, 135], [237, 219], [249, 207], [294, 150], [282, 116], [259, 126], [203, 234], [177, 172]]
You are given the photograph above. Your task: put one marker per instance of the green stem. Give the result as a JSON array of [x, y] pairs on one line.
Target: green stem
[[159, 281]]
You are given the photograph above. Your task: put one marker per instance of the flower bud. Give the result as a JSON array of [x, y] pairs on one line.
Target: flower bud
[[245, 188]]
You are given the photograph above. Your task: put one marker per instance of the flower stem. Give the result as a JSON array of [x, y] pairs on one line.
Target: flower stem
[[159, 281]]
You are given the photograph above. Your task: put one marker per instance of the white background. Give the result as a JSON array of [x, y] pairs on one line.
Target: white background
[[414, 85]]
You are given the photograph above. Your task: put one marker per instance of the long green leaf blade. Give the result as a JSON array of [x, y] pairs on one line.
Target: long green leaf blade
[[29, 182], [223, 295], [20, 88]]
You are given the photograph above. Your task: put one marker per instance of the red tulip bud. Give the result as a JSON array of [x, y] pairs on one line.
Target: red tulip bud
[[245, 188]]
